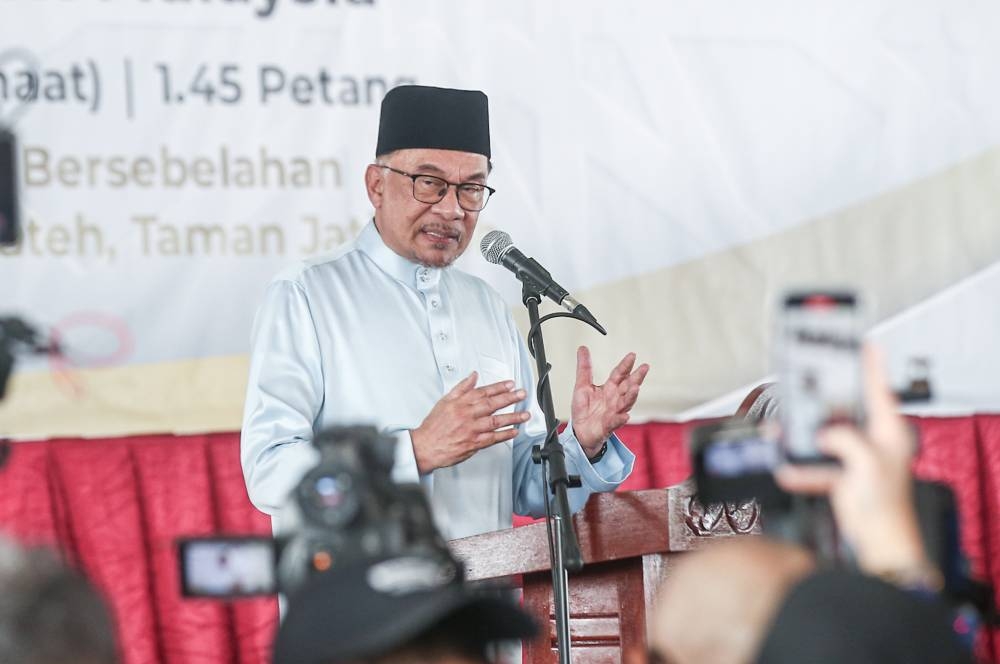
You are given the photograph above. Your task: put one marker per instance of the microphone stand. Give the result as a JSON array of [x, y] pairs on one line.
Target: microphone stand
[[564, 548]]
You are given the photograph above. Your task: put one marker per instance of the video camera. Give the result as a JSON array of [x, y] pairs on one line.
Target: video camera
[[18, 337], [347, 508]]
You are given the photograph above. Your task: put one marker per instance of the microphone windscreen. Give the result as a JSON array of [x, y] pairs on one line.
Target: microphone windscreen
[[494, 245]]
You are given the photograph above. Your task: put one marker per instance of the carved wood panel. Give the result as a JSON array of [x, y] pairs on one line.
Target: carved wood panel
[[607, 613]]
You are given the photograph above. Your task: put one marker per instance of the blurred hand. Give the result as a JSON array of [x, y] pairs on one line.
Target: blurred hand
[[872, 491], [465, 421], [598, 410]]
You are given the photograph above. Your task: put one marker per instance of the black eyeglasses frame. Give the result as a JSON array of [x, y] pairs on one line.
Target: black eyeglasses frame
[[444, 192]]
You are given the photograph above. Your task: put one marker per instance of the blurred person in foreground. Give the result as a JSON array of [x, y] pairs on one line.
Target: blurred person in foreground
[[756, 600], [406, 609], [50, 614]]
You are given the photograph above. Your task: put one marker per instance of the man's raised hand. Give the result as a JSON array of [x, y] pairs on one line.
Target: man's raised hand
[[465, 421], [598, 410]]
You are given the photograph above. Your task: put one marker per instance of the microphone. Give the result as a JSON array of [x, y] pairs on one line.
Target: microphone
[[498, 249]]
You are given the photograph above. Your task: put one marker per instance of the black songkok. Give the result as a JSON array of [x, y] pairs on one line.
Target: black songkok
[[418, 116]]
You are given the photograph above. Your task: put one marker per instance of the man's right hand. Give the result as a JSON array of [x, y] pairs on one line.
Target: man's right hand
[[465, 421]]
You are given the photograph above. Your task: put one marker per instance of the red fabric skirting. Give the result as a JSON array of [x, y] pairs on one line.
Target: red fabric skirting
[[115, 508]]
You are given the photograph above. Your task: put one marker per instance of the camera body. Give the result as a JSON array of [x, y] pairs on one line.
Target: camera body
[[733, 460], [346, 508]]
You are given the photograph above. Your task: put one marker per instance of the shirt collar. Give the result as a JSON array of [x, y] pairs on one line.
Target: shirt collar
[[405, 271]]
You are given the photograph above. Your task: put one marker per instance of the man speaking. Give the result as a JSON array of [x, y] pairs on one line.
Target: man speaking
[[385, 331]]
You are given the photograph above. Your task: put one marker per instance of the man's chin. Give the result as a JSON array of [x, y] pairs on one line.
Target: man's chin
[[436, 259], [441, 255]]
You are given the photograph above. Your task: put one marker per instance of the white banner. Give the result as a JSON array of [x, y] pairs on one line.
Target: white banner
[[676, 165]]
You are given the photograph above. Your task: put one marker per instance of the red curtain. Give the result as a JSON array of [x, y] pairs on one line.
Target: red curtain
[[115, 508]]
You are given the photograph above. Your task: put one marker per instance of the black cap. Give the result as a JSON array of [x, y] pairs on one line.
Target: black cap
[[370, 608], [839, 616], [418, 116]]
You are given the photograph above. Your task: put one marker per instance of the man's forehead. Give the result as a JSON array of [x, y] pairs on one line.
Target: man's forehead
[[446, 161]]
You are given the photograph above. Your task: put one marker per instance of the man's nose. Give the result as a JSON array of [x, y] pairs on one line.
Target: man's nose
[[448, 206]]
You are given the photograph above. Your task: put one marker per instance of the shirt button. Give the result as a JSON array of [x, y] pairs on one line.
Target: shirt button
[[435, 303], [449, 368], [442, 337], [423, 275]]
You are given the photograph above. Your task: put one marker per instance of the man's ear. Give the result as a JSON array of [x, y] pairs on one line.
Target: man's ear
[[374, 182]]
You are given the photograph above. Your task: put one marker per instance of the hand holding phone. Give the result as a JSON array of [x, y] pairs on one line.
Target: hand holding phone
[[872, 490]]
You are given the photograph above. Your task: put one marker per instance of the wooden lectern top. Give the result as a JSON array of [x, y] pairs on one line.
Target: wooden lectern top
[[612, 526]]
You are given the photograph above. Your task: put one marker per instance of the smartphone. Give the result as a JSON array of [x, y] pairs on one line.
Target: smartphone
[[733, 460], [227, 567], [819, 358], [9, 208]]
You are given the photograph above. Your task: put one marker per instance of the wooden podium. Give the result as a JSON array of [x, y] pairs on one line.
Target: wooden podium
[[629, 541]]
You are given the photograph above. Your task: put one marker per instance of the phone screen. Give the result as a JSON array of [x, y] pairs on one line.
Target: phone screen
[[227, 566], [733, 460], [739, 451], [820, 369]]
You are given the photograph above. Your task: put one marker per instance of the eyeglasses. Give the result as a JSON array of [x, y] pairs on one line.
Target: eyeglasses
[[472, 197]]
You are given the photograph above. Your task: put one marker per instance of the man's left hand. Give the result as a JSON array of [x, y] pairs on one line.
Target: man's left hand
[[600, 409]]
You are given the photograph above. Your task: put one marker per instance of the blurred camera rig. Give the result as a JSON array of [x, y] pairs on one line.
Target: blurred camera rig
[[17, 337], [346, 508]]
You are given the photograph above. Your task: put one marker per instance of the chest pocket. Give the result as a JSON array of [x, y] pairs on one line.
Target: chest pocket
[[492, 370]]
